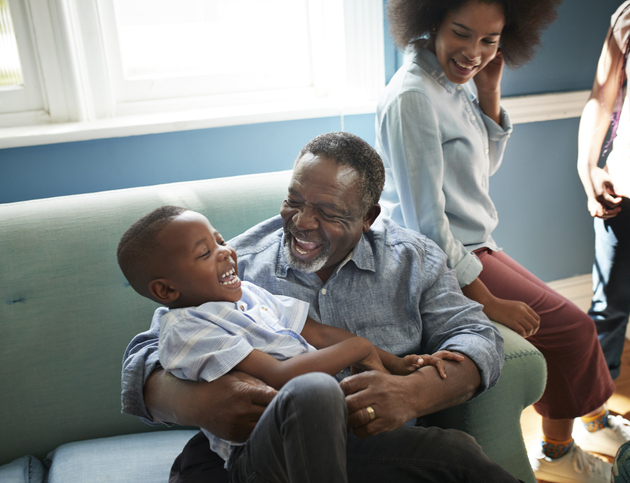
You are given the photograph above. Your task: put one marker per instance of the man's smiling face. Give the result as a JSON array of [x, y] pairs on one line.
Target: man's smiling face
[[322, 215]]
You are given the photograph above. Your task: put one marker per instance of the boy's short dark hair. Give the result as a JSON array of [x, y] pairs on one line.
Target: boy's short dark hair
[[138, 245]]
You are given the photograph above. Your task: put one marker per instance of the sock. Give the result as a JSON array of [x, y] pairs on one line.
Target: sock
[[555, 449], [597, 422]]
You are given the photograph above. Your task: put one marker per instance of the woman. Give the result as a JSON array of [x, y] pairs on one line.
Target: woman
[[441, 136], [608, 188]]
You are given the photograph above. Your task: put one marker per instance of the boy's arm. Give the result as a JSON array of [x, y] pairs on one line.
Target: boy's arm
[[321, 336], [401, 366], [355, 351]]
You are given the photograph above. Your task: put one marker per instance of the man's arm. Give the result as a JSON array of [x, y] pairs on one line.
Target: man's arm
[[397, 399], [449, 321], [229, 407], [321, 336]]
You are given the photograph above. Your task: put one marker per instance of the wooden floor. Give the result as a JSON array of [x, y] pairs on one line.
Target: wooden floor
[[619, 403]]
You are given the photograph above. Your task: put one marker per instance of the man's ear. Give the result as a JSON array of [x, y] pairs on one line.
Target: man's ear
[[371, 216], [162, 291]]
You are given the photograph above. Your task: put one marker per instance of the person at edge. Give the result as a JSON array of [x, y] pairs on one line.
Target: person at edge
[[370, 277], [608, 188], [441, 132]]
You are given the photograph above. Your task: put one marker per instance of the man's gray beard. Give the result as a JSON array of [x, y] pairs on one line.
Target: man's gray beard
[[306, 266]]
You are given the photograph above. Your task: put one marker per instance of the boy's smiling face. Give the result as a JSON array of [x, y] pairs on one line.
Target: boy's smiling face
[[196, 264]]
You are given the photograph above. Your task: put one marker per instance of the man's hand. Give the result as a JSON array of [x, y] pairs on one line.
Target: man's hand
[[397, 399], [386, 394], [228, 407]]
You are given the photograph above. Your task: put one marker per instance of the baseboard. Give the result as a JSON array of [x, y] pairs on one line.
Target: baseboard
[[578, 289]]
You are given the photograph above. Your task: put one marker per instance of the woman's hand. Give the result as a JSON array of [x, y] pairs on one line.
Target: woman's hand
[[488, 82], [514, 314], [488, 79]]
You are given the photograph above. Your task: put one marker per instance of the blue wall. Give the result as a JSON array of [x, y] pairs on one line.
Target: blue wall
[[544, 223]]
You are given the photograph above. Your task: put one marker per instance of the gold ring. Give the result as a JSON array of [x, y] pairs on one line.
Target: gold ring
[[371, 413]]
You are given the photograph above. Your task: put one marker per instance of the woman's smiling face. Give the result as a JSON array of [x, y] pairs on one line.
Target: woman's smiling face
[[468, 39]]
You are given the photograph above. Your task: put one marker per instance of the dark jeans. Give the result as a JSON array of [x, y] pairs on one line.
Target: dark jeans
[[610, 306], [408, 454]]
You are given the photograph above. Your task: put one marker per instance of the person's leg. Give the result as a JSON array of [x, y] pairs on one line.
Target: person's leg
[[610, 305], [197, 463], [412, 454], [578, 381], [301, 437]]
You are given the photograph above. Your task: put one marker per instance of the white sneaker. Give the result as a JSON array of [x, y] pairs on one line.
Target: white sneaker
[[603, 441], [576, 466]]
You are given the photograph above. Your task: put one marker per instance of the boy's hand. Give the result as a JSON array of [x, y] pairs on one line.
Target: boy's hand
[[412, 362], [371, 363]]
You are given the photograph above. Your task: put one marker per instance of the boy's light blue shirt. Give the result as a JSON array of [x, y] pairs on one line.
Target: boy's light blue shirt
[[204, 343], [439, 150]]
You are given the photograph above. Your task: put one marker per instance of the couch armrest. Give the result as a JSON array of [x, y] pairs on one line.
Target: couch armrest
[[494, 418]]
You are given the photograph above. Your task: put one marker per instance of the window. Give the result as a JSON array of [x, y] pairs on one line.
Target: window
[[93, 61]]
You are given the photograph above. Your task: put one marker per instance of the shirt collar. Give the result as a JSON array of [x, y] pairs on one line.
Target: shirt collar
[[429, 62], [362, 255]]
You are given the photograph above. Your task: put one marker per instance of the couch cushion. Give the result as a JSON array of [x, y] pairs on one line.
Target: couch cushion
[[137, 458], [26, 469]]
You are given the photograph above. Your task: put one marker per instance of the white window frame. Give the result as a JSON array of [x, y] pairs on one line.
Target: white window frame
[[78, 97]]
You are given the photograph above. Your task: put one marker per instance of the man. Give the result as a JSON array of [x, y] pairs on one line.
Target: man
[[376, 280]]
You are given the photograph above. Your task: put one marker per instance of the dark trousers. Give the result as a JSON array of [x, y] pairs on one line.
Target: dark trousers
[[610, 306], [445, 456]]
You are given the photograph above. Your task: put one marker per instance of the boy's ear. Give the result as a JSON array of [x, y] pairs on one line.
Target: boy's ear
[[163, 291]]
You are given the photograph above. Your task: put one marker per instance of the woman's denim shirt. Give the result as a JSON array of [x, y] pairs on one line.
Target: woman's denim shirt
[[439, 150]]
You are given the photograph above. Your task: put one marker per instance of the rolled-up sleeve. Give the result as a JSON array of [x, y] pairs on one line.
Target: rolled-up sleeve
[[453, 322], [139, 362], [411, 135]]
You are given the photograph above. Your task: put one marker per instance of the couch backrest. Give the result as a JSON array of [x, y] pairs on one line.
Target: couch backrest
[[67, 313]]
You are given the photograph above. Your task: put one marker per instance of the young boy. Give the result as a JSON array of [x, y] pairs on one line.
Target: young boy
[[216, 324]]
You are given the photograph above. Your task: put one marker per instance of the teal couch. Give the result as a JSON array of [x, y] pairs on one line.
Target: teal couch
[[67, 314]]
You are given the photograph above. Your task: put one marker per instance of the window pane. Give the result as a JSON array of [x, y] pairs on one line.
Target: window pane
[[10, 69], [241, 44]]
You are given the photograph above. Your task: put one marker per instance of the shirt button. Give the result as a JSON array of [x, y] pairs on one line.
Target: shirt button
[[323, 291], [459, 87], [472, 118], [487, 150], [242, 307], [483, 183]]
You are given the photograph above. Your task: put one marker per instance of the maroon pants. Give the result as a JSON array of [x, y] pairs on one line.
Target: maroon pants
[[578, 380]]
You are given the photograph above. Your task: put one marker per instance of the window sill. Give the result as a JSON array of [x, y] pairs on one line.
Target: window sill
[[522, 109], [123, 126]]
